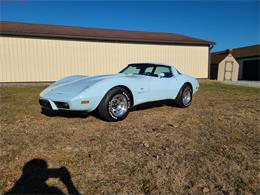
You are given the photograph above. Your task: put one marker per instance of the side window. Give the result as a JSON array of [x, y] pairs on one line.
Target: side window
[[148, 71], [162, 69], [132, 70]]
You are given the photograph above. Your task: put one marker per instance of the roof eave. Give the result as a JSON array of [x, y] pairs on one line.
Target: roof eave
[[60, 36]]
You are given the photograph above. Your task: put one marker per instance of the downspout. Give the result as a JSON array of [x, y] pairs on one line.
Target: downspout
[[209, 59]]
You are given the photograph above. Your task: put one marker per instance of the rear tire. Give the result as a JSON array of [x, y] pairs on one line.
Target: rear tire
[[184, 96], [115, 105]]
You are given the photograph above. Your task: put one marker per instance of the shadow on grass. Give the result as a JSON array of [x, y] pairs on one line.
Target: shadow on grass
[[82, 114], [155, 104], [34, 177], [70, 114]]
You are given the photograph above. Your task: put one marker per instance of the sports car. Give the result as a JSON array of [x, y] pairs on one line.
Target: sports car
[[114, 95]]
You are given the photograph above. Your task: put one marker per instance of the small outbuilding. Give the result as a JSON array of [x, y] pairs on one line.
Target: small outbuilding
[[236, 64]]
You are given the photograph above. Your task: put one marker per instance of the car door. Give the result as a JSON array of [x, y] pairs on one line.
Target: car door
[[143, 86], [162, 84], [140, 83]]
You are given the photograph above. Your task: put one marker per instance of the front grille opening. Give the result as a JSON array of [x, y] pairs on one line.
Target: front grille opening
[[62, 105], [45, 103]]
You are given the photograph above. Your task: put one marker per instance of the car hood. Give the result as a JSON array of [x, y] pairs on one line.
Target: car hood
[[74, 85]]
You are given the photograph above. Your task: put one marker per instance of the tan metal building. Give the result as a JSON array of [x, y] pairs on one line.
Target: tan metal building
[[40, 53]]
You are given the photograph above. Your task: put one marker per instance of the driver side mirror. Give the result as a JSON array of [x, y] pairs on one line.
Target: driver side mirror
[[161, 75]]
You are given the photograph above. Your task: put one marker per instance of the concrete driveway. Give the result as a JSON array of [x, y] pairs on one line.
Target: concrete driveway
[[243, 83]]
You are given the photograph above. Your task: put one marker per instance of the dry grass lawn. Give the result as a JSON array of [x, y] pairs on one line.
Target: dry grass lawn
[[211, 147]]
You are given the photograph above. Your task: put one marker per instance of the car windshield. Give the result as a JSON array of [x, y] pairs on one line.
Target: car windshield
[[148, 70]]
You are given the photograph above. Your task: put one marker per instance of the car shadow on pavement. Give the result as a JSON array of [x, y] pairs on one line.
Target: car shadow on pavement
[[35, 174]]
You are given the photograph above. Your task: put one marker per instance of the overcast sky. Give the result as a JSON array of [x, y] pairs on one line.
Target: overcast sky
[[230, 24]]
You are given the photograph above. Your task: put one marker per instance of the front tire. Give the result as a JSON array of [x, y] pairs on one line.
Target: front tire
[[115, 105], [184, 96]]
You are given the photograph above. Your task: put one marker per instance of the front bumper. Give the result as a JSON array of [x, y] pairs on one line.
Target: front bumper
[[54, 105], [73, 105]]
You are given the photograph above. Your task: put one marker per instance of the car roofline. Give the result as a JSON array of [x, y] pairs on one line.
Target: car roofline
[[151, 63]]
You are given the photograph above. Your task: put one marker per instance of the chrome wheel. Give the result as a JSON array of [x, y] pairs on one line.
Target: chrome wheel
[[186, 96], [118, 105]]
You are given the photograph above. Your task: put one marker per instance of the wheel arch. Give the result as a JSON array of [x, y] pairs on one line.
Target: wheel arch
[[127, 89], [103, 109], [181, 87], [188, 83], [178, 99]]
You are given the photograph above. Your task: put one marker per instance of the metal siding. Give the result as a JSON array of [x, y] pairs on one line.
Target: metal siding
[[31, 59]]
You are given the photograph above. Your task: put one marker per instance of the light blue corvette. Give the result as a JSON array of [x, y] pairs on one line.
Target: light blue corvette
[[114, 95]]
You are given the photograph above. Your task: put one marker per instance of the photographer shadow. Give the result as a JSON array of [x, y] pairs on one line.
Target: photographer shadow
[[35, 175]]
